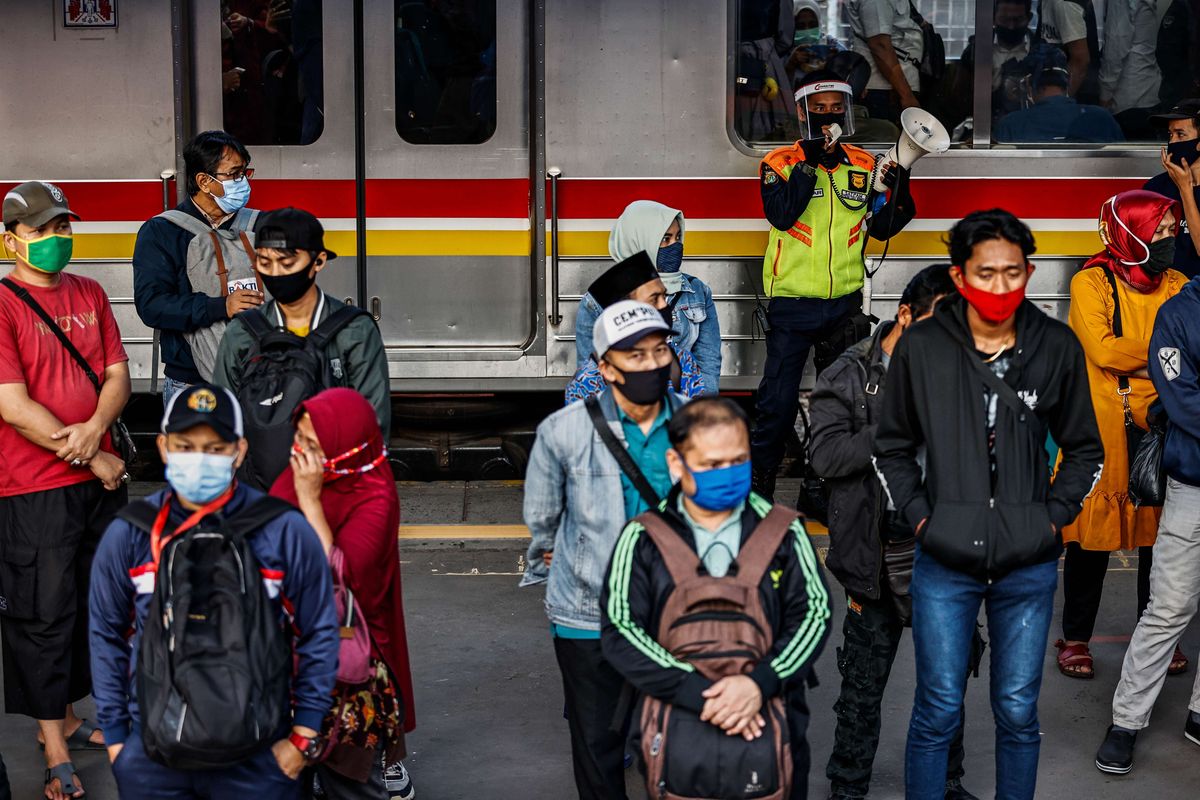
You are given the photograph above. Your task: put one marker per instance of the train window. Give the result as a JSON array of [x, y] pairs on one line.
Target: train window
[[1088, 72], [893, 53], [272, 78], [445, 71]]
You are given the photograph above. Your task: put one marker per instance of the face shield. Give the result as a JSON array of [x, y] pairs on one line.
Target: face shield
[[823, 104]]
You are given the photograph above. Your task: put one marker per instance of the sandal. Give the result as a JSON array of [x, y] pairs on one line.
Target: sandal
[[64, 773], [1179, 663], [81, 738], [1075, 660]]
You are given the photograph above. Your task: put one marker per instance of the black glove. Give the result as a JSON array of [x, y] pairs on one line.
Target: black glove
[[892, 174], [813, 149]]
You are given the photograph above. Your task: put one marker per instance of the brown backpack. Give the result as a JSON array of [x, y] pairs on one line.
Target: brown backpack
[[718, 626]]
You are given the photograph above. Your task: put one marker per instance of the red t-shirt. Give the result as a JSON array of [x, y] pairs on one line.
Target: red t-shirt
[[31, 354]]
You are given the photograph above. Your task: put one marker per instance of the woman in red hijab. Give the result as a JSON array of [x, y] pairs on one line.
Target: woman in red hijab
[[1131, 275], [339, 478]]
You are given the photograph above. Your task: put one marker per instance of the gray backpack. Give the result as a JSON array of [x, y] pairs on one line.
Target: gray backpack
[[218, 263]]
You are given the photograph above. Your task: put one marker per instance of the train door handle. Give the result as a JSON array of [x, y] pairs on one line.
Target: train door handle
[[376, 308], [554, 174]]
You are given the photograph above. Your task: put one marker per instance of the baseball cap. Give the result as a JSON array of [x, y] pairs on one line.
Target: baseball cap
[[1184, 109], [290, 229], [204, 404], [35, 203], [619, 280], [624, 324]]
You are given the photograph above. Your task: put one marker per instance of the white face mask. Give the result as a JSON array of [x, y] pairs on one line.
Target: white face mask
[[673, 281]]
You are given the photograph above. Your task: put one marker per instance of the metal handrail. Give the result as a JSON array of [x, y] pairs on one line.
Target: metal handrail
[[554, 173]]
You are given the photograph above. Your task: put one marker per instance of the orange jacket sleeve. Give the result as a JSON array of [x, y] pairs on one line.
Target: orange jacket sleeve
[[1090, 319]]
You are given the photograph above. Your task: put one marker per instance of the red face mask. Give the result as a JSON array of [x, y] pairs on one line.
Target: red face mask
[[993, 308]]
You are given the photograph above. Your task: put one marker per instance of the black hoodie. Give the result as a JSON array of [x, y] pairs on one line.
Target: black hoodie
[[934, 396]]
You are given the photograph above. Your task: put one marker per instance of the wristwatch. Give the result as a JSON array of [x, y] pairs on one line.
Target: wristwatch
[[309, 746]]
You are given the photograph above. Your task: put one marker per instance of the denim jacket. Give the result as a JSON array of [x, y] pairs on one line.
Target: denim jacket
[[573, 506], [695, 328]]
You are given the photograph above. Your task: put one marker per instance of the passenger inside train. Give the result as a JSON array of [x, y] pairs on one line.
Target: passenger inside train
[[501, 190]]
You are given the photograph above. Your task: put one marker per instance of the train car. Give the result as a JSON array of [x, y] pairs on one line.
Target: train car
[[469, 159]]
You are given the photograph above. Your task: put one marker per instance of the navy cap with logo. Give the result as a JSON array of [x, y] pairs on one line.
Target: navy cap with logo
[[290, 229], [204, 404], [1184, 109]]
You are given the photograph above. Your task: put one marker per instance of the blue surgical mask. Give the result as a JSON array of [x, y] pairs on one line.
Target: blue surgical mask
[[237, 194], [670, 258], [199, 477], [723, 488]]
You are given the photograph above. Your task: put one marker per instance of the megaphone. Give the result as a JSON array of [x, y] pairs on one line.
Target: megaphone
[[920, 135]]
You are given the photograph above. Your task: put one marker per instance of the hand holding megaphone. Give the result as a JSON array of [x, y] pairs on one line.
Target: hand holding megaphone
[[920, 135]]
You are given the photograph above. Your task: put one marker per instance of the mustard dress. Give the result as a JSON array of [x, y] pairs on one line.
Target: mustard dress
[[1109, 520]]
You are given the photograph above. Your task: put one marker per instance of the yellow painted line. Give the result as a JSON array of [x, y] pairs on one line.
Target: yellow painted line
[[460, 532], [465, 242]]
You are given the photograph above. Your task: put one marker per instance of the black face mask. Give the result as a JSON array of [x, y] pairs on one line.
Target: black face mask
[[818, 121], [1162, 256], [289, 288], [645, 388], [1183, 153], [1010, 37]]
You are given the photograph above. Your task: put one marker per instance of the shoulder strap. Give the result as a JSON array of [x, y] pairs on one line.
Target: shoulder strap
[[244, 219], [332, 325], [222, 271], [27, 298], [756, 553], [140, 514], [624, 460], [680, 560], [1119, 332], [186, 221], [1005, 392], [256, 323], [253, 517]]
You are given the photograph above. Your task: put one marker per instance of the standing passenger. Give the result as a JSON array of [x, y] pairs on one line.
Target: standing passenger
[[818, 197], [885, 33], [62, 481], [1128, 283], [571, 489], [977, 386], [340, 479], [193, 266], [349, 351], [1181, 178], [657, 229]]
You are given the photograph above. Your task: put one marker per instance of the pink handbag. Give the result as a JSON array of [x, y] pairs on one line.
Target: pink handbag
[[354, 650]]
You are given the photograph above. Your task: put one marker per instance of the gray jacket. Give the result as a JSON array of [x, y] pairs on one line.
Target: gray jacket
[[574, 506]]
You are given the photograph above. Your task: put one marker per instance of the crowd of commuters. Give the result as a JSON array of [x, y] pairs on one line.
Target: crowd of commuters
[[242, 630], [1062, 70]]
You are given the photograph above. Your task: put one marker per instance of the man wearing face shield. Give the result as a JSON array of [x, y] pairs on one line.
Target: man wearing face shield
[[819, 198], [586, 456], [1181, 179]]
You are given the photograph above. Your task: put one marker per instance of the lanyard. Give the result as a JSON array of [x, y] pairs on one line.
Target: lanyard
[[160, 522]]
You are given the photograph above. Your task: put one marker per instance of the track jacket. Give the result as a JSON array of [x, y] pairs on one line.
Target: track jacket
[[844, 413], [1175, 369], [637, 585], [298, 581], [935, 396]]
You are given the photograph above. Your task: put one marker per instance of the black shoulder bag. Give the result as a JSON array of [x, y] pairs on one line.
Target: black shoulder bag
[[624, 460], [1147, 482], [122, 441]]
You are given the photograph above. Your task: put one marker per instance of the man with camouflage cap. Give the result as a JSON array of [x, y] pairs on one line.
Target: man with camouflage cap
[[61, 480]]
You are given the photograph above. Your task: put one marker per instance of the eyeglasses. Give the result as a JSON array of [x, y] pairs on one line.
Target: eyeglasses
[[235, 175]]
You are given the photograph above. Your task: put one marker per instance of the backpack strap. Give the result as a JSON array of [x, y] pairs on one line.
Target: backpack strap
[[332, 325], [140, 514], [222, 271], [256, 323], [186, 221], [757, 551], [253, 517], [681, 561], [244, 220]]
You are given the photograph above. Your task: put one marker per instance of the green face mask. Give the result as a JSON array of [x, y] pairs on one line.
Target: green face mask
[[51, 253], [809, 36]]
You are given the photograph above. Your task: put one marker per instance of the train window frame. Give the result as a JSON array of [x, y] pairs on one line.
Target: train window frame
[[406, 135], [981, 140]]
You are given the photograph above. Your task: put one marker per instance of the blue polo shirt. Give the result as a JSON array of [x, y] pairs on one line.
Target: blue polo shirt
[[649, 451]]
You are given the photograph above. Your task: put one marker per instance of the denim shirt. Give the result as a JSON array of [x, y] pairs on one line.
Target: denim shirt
[[573, 506], [695, 329]]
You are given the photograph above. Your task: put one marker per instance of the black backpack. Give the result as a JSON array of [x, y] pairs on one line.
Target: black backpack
[[283, 370], [214, 666]]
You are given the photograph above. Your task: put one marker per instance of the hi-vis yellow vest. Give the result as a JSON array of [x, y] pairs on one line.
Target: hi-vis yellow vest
[[822, 254]]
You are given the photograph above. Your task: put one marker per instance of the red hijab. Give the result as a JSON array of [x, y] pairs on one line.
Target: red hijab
[[363, 511], [1127, 224]]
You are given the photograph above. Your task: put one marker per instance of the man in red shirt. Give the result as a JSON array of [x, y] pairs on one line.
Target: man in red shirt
[[61, 481]]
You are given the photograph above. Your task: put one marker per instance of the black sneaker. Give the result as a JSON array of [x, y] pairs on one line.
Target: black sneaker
[[956, 791], [1191, 728], [1115, 756]]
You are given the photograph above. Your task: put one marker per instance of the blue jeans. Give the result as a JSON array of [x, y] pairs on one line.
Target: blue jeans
[[945, 606], [257, 776], [170, 388]]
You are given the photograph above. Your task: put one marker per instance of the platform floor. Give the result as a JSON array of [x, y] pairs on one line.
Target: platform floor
[[489, 696]]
